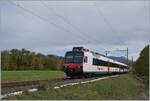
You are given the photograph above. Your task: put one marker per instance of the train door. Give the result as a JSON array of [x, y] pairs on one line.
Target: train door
[[87, 62], [108, 67]]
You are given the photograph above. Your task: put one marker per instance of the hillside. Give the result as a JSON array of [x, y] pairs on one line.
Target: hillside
[[121, 59], [141, 65]]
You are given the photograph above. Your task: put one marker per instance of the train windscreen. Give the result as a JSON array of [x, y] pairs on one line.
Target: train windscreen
[[73, 57]]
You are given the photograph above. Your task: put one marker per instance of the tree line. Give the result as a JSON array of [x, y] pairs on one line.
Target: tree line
[[141, 65], [23, 59]]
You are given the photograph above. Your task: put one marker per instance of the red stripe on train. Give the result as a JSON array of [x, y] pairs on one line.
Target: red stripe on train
[[73, 65]]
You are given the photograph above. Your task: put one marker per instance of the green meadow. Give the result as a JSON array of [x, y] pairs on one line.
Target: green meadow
[[124, 87], [12, 76]]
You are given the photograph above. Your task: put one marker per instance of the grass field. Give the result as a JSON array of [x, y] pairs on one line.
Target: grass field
[[123, 87], [11, 76]]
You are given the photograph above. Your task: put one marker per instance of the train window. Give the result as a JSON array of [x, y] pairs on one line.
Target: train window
[[77, 59], [78, 54], [99, 62], [69, 54], [104, 63], [73, 57], [69, 59], [95, 61], [113, 64], [85, 59]]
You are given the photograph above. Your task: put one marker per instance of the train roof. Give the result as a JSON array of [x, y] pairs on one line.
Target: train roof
[[101, 57], [98, 55]]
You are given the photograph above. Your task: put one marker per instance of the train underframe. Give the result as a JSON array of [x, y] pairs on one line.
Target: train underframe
[[78, 73], [74, 72]]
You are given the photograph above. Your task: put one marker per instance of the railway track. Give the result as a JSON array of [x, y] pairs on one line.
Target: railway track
[[21, 85], [69, 82], [25, 85], [15, 88], [18, 86]]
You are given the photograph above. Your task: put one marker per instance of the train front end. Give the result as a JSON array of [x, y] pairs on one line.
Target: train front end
[[73, 65]]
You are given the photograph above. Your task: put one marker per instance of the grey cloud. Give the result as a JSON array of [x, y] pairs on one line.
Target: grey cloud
[[87, 27]]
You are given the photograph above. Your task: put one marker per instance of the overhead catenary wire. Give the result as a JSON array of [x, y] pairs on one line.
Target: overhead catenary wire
[[42, 18], [101, 14], [54, 24], [66, 21], [104, 18], [82, 33]]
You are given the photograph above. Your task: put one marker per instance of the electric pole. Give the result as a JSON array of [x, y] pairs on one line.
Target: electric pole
[[127, 56], [127, 52], [132, 59], [106, 52]]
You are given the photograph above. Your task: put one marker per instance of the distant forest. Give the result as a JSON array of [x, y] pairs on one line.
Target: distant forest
[[25, 60]]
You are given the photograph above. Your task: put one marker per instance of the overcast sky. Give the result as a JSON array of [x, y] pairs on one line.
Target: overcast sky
[[54, 27]]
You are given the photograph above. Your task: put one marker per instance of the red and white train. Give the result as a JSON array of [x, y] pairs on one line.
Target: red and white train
[[82, 62]]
